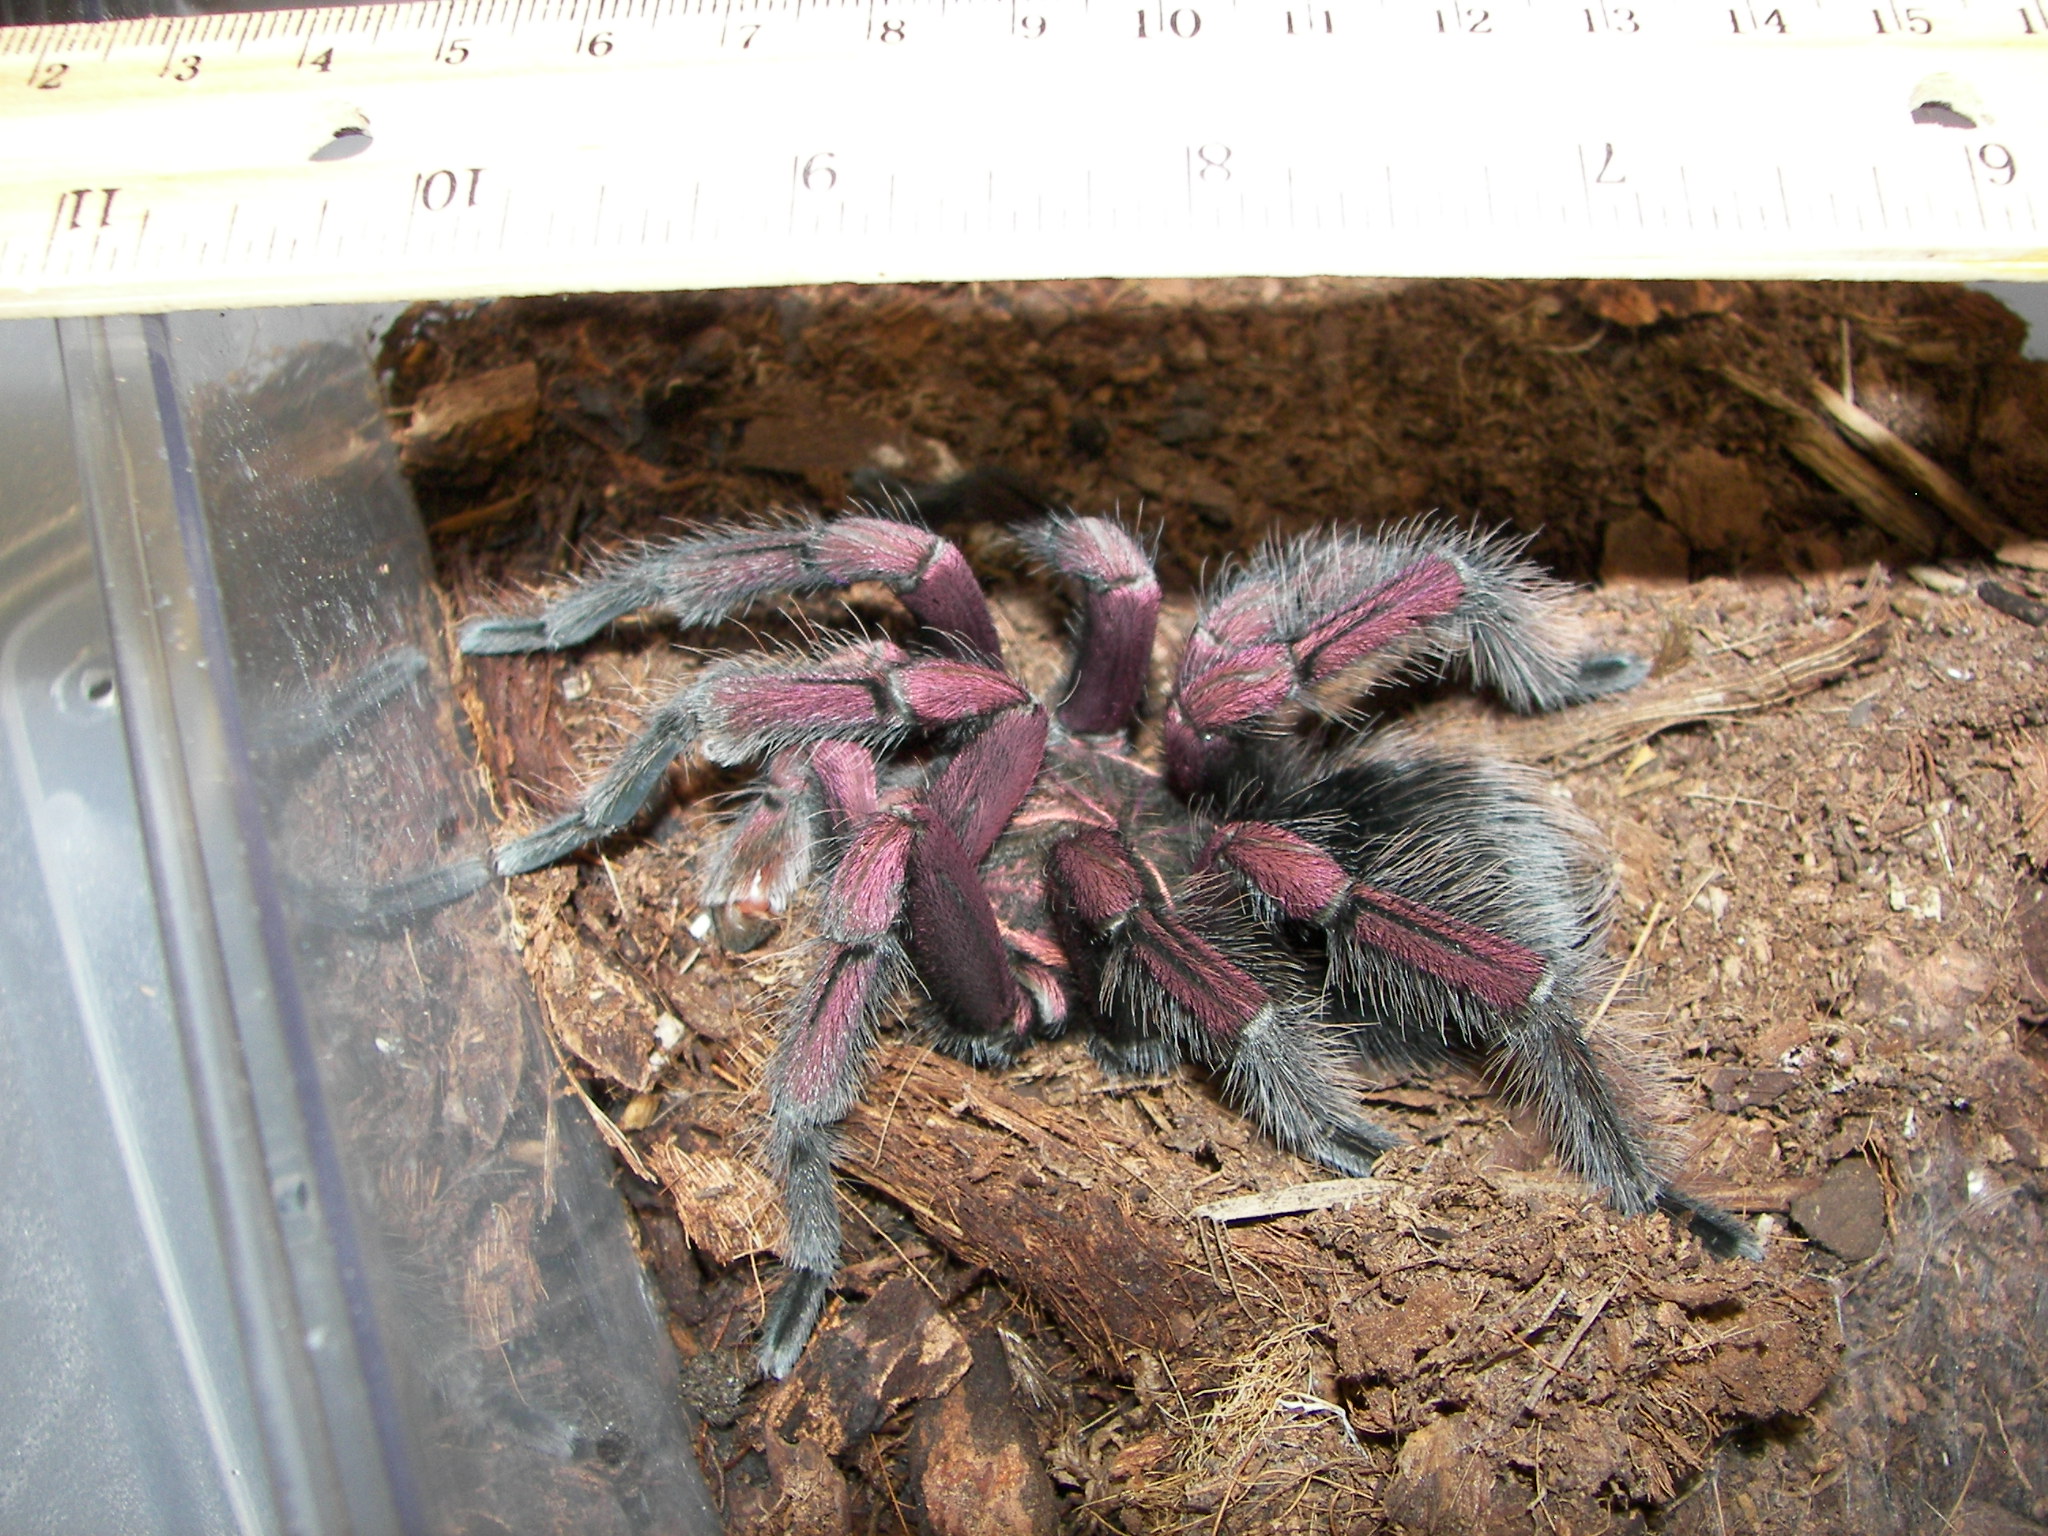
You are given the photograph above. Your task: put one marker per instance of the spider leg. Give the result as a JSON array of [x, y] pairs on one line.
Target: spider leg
[[900, 863], [1448, 892], [1546, 1057], [1299, 880], [1339, 609], [820, 1062], [766, 852], [872, 694], [615, 799], [1167, 986], [979, 788], [1120, 612], [984, 1017], [960, 949], [705, 578]]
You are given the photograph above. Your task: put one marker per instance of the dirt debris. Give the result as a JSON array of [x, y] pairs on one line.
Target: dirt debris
[[1828, 811]]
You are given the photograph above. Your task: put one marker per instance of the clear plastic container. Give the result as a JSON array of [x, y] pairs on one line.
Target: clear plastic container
[[301, 1234]]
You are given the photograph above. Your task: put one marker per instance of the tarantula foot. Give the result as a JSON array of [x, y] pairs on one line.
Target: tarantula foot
[[981, 1051], [557, 840], [792, 1314], [1352, 1147], [1606, 672], [1134, 1058], [503, 637], [1724, 1235]]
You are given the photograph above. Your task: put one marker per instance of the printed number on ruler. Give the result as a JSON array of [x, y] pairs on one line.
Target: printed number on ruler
[[470, 148]]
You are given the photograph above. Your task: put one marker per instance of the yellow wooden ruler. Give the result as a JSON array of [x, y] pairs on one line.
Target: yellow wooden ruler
[[476, 147]]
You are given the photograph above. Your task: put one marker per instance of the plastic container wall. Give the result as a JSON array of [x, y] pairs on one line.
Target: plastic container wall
[[115, 1414], [307, 1241]]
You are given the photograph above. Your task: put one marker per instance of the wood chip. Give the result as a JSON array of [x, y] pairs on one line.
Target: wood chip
[[1811, 440], [2013, 604], [1291, 1201], [728, 1207], [1916, 469], [464, 428]]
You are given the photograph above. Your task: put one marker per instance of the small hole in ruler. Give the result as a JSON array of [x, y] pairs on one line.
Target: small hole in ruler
[[1945, 101], [345, 143], [1942, 115]]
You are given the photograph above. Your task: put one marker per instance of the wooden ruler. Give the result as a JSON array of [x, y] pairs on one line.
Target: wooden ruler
[[478, 147]]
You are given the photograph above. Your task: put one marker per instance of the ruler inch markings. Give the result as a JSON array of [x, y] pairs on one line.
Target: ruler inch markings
[[671, 96]]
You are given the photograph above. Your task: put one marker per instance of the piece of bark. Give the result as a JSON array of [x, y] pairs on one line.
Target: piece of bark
[[1890, 482], [894, 1350], [1293, 1200], [729, 1208], [1637, 304], [465, 428], [1921, 473], [600, 1012], [974, 1460], [2013, 604], [1847, 1213], [1441, 1485], [1814, 442], [810, 1497], [1001, 1181]]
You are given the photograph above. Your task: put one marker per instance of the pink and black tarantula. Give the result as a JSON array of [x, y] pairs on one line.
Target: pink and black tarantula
[[1266, 905]]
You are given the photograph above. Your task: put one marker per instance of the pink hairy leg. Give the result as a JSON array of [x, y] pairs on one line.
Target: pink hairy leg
[[1278, 1064], [1417, 597], [959, 950], [961, 954], [820, 1061], [927, 572], [901, 863], [1304, 883], [1105, 889], [981, 785], [845, 771], [871, 694], [768, 849], [705, 578], [1245, 660], [1120, 612], [1387, 613]]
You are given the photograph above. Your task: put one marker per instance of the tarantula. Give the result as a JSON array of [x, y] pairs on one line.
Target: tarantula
[[1267, 907]]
